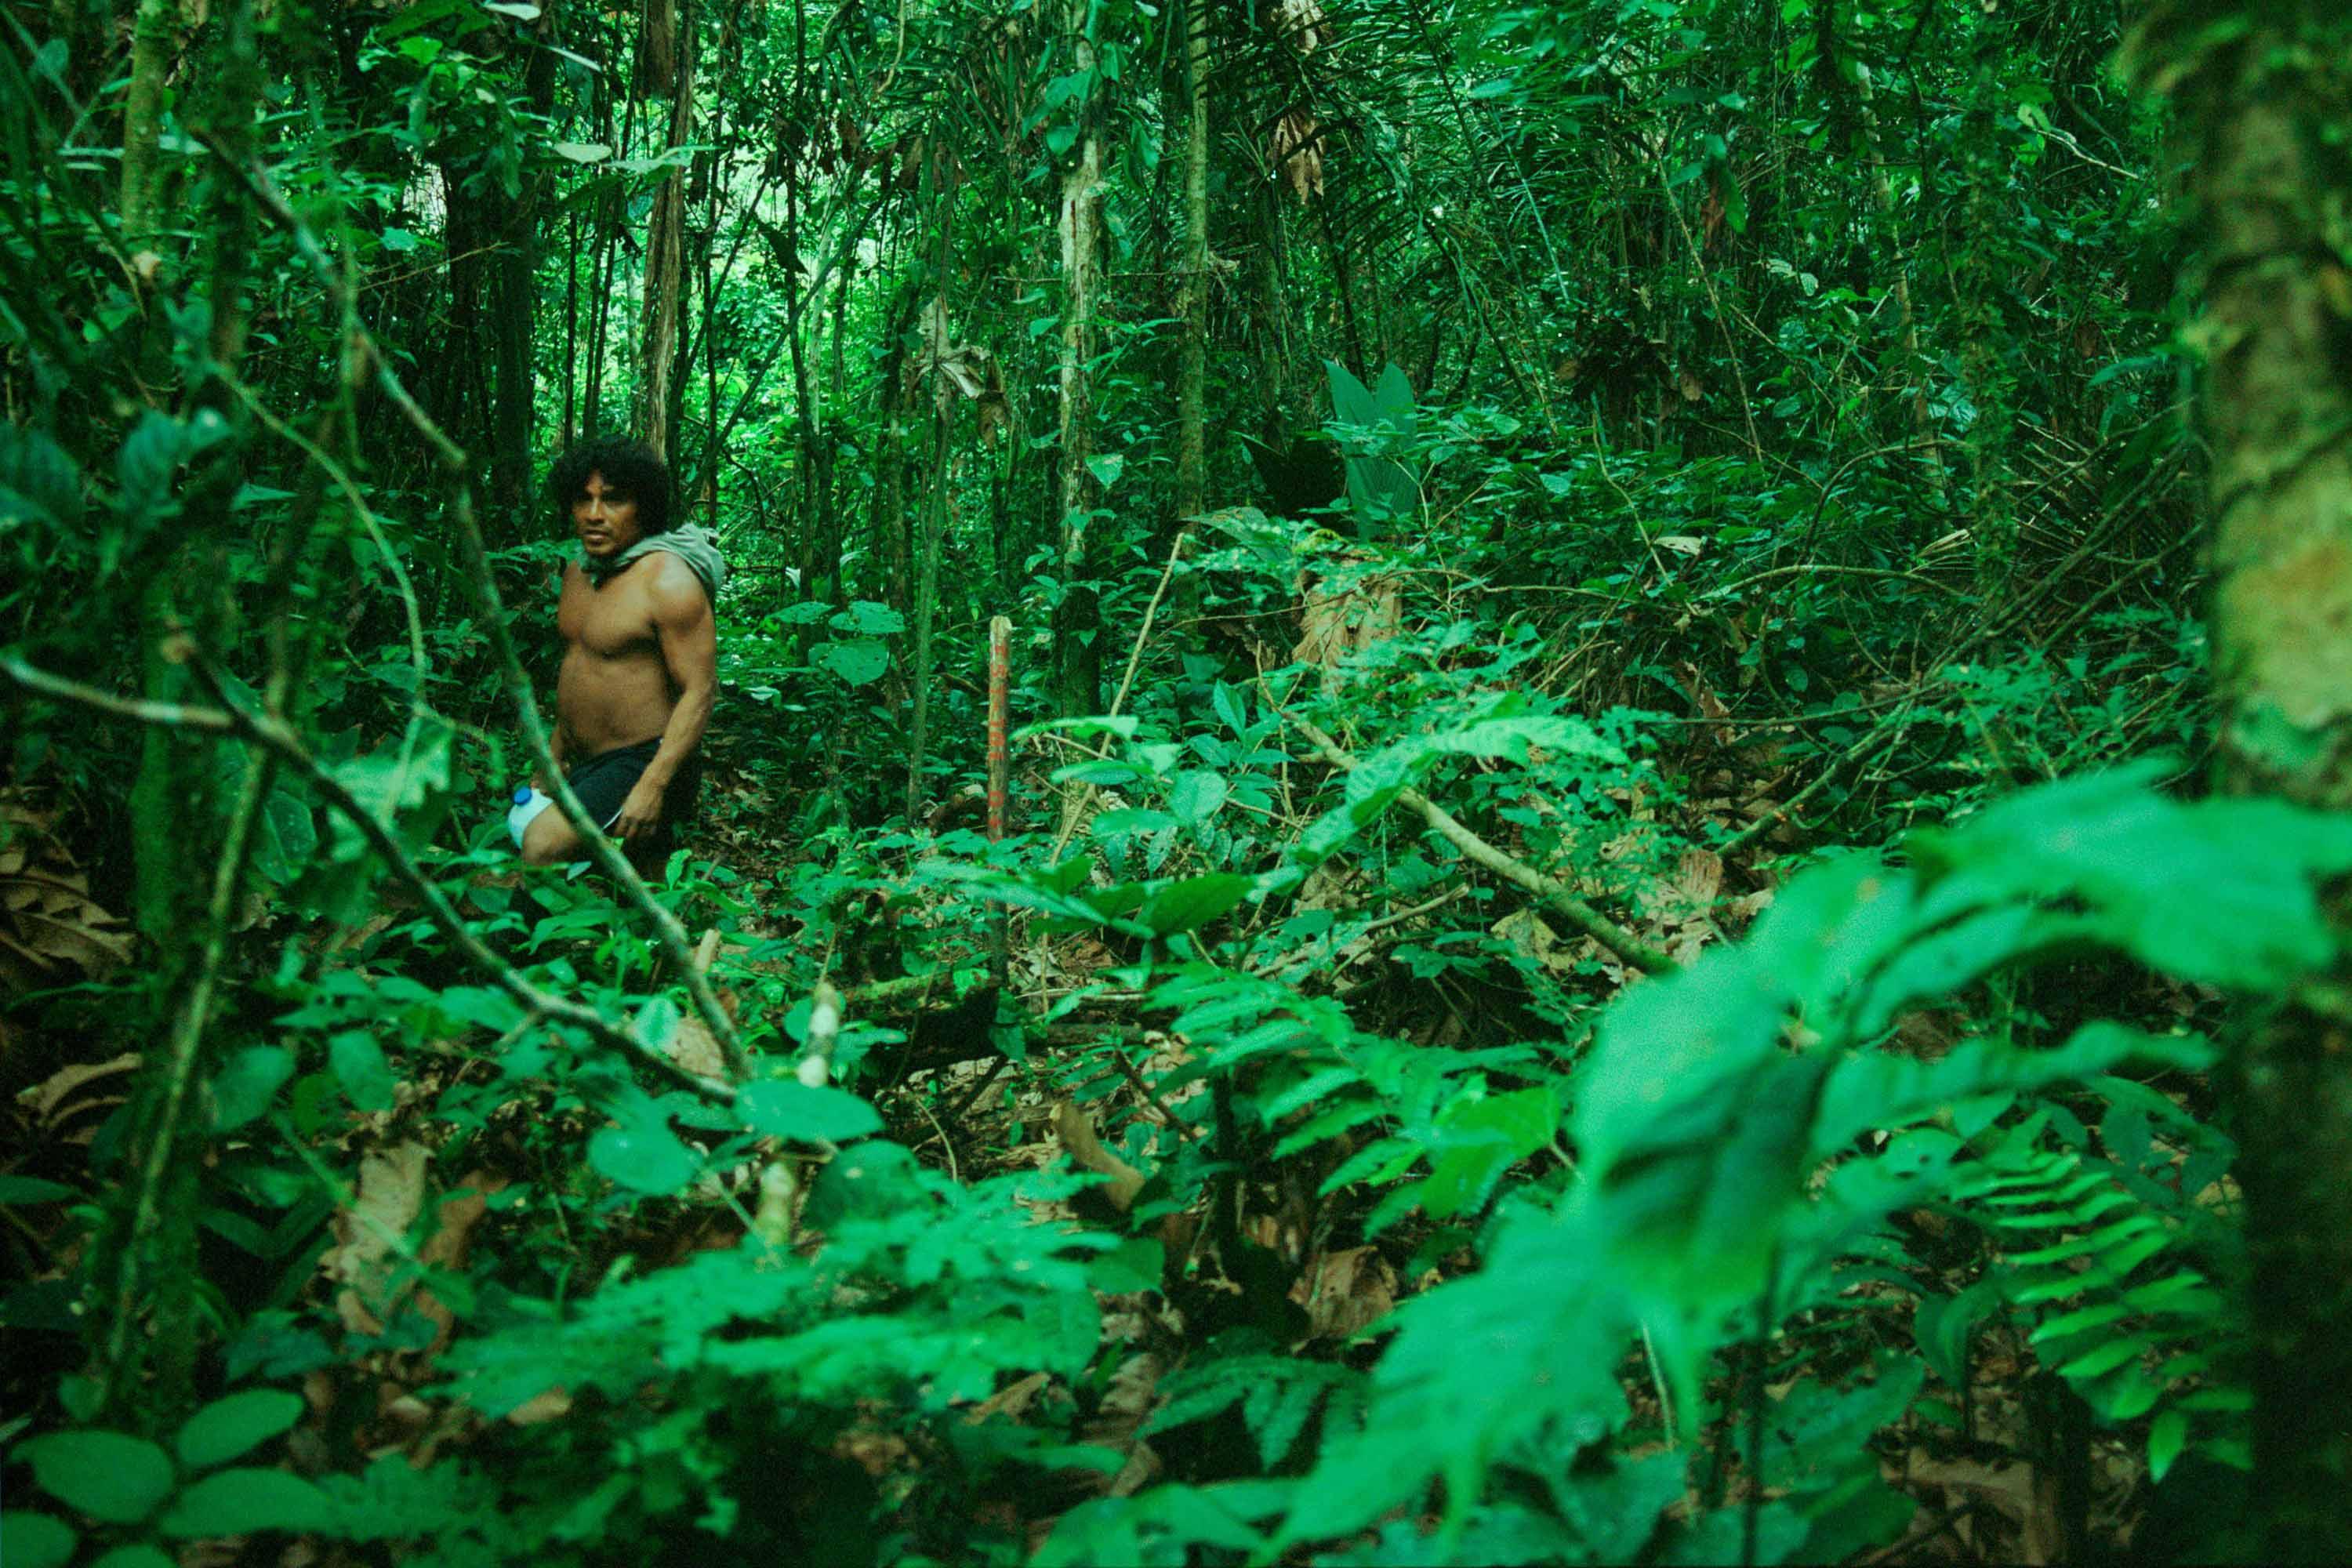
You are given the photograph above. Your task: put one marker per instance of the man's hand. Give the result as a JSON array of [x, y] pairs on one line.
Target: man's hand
[[640, 814]]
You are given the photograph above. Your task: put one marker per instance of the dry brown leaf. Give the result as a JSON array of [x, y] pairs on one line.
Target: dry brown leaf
[[368, 1234], [541, 1408], [1297, 153], [1076, 1131], [693, 1047], [1012, 1402], [875, 1451], [445, 1248], [1346, 1292], [958, 371], [2019, 1492], [1335, 622], [55, 1100], [50, 928], [1525, 930], [1134, 1391]]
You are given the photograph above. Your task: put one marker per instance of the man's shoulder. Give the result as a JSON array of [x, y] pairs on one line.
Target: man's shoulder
[[670, 582]]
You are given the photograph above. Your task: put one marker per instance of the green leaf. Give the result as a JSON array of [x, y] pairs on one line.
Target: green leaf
[[784, 1107], [32, 1190], [657, 1022], [2167, 1436], [1231, 707], [229, 1427], [34, 1541], [867, 1182], [1193, 902], [2221, 892], [145, 466], [1106, 468], [582, 152], [240, 1502], [359, 1067], [1478, 1139], [1044, 893], [247, 1082], [106, 1475], [1198, 794], [1136, 1264], [479, 1006], [642, 1155], [1871, 1089], [858, 662], [1944, 1325], [426, 12], [137, 1555], [868, 619], [37, 480]]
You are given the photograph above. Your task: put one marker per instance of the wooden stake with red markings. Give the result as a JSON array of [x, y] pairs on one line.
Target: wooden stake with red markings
[[1000, 769]]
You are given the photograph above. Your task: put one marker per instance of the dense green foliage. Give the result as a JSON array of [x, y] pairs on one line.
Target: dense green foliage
[[1610, 895]]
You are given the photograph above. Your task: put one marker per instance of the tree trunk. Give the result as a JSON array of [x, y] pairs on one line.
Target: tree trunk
[[154, 35], [666, 259], [514, 307], [2258, 101], [1078, 618], [1192, 368], [603, 267], [195, 832], [660, 58], [927, 602]]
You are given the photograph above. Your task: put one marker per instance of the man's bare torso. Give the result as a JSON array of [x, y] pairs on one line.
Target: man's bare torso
[[615, 688]]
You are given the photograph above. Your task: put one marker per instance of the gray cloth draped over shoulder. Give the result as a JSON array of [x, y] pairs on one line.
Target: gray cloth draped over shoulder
[[690, 542]]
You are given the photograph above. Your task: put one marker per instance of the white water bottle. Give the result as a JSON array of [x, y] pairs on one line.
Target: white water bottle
[[528, 804]]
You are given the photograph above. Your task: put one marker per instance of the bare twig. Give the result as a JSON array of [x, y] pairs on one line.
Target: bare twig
[[169, 715], [1821, 569], [1135, 657], [275, 736]]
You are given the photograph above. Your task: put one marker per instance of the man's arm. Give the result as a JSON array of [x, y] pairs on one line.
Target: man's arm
[[689, 649]]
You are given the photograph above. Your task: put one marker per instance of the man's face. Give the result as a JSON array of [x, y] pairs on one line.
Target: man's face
[[605, 517]]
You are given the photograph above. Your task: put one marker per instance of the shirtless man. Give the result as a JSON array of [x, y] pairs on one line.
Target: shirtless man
[[640, 660]]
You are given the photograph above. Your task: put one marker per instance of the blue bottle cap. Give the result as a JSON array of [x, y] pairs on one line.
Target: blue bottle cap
[[522, 794]]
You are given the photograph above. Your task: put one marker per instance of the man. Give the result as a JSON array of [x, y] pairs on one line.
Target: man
[[640, 658]]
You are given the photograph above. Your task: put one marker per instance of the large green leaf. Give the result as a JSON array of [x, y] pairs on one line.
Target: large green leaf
[[360, 1067], [1873, 1089], [109, 1476], [1193, 902], [1197, 795], [229, 1427], [1477, 1141], [787, 1108], [1529, 1343], [858, 662], [2222, 892], [642, 1153], [138, 1554], [37, 482], [247, 1082], [241, 1502], [1379, 487], [34, 1541]]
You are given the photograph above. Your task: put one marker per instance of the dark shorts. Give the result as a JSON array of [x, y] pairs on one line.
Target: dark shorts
[[604, 782]]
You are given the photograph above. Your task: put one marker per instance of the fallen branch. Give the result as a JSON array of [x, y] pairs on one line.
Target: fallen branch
[[1553, 894]]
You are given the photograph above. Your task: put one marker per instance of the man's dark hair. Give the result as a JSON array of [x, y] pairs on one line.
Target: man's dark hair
[[630, 467]]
